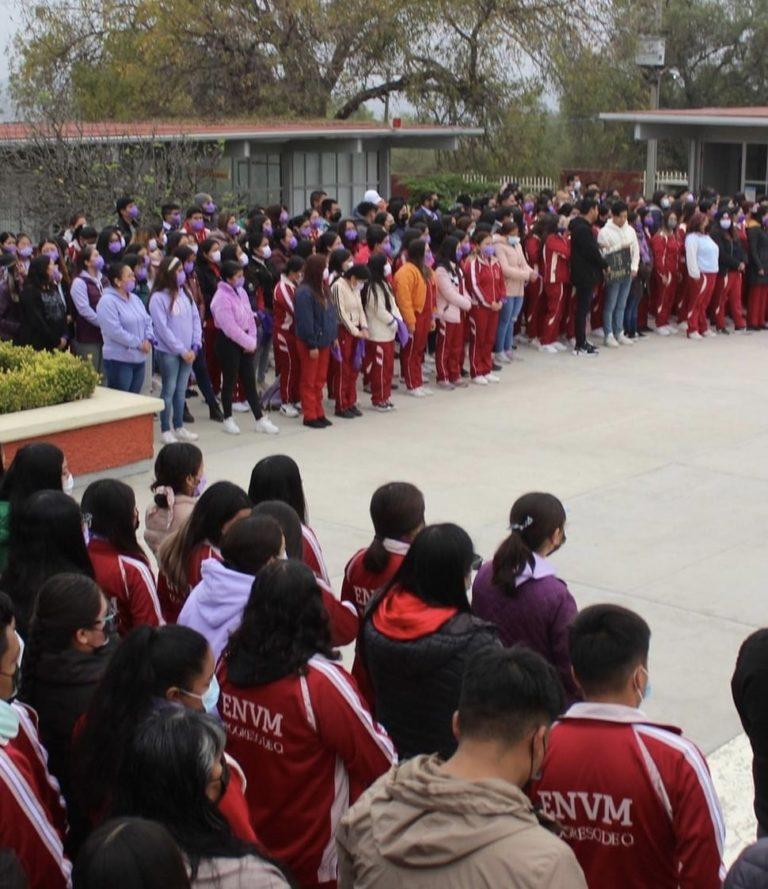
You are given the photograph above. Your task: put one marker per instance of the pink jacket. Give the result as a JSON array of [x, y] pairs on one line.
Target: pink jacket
[[233, 315], [451, 300], [516, 270]]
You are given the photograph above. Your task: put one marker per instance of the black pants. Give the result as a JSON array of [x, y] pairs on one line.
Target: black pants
[[584, 295], [234, 363]]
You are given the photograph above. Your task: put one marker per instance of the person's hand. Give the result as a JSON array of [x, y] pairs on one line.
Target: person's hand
[[411, 329], [496, 307], [145, 347], [336, 344], [534, 276], [365, 333], [741, 266], [314, 353], [62, 344], [188, 356], [634, 275]]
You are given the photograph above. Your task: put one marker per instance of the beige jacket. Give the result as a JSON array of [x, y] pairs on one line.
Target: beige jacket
[[382, 324], [515, 269], [159, 523], [349, 306], [238, 873], [417, 827]]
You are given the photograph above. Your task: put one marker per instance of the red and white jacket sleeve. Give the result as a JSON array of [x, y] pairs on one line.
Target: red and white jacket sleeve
[[141, 592]]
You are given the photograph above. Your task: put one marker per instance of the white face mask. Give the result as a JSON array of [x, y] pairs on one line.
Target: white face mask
[[69, 484], [347, 266], [215, 256], [193, 248], [387, 270], [243, 260], [326, 274], [152, 245], [359, 286], [266, 252]]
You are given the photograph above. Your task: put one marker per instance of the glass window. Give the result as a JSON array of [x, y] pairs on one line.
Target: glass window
[[344, 166], [298, 168], [373, 167], [756, 163], [358, 168], [328, 168], [312, 168]]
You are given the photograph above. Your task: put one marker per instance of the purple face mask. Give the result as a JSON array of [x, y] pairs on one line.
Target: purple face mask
[[140, 272], [56, 276], [466, 248], [233, 228], [25, 252], [306, 231], [350, 234], [387, 248], [317, 222], [292, 242], [131, 285], [115, 247], [239, 281], [189, 267], [267, 230], [181, 278], [489, 250], [197, 225], [10, 248], [528, 206], [209, 207], [133, 212], [98, 262], [52, 255], [176, 220], [283, 217], [427, 239]]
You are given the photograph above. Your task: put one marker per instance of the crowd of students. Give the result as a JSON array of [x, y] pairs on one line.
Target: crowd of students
[[187, 723], [217, 297]]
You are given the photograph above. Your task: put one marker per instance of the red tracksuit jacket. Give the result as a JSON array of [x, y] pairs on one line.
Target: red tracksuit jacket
[[666, 254], [171, 599], [282, 307], [485, 281], [532, 250], [32, 816], [129, 583], [358, 587], [557, 258], [636, 800], [309, 748]]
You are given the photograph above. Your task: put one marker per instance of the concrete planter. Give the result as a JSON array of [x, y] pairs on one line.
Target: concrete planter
[[111, 430]]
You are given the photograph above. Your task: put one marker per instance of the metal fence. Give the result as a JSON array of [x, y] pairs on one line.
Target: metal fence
[[668, 179], [526, 183]]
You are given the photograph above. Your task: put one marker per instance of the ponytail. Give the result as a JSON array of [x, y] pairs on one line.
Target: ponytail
[[376, 557], [534, 518], [397, 512]]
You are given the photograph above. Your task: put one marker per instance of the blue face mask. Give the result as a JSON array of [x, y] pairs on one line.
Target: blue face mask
[[211, 697], [9, 721]]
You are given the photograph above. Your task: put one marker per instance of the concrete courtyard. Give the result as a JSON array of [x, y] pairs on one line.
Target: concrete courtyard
[[659, 452]]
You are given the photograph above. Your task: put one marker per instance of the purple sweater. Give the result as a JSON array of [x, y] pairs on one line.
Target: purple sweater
[[537, 615], [176, 324]]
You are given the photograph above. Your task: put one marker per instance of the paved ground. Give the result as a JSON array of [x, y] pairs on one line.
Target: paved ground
[[659, 452]]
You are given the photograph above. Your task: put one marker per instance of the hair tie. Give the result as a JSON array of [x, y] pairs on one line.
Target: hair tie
[[521, 526]]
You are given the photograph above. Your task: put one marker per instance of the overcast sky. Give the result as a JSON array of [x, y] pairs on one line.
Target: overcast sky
[[9, 26]]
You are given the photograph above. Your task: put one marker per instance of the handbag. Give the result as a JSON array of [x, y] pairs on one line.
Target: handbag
[[357, 358], [403, 334]]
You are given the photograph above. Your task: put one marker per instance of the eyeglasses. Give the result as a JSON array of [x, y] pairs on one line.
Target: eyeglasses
[[108, 621]]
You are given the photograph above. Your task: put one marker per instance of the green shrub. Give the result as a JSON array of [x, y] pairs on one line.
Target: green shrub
[[30, 379], [447, 186]]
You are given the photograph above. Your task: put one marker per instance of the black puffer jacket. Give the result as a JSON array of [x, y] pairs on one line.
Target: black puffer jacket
[[417, 682], [750, 870]]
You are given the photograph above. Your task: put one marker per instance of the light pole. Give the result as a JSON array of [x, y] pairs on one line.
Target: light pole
[[651, 51]]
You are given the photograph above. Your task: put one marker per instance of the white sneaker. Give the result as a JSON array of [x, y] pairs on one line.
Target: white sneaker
[[549, 349], [167, 437], [695, 336], [427, 391], [534, 343], [611, 341], [297, 405], [418, 392], [673, 331], [288, 410], [445, 384], [229, 426], [501, 358], [625, 340], [522, 339], [183, 434], [709, 332], [492, 378], [266, 426], [561, 347], [682, 327], [241, 407], [480, 381], [598, 332], [663, 331]]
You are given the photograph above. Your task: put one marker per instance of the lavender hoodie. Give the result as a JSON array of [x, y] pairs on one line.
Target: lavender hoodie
[[124, 325], [538, 614], [233, 315], [176, 324], [215, 606]]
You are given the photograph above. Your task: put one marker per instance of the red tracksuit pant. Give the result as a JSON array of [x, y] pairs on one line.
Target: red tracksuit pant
[[555, 295], [532, 307], [412, 355], [662, 295], [314, 372], [483, 324], [379, 367], [287, 366], [345, 375], [449, 352], [727, 293], [699, 294], [757, 294], [680, 298]]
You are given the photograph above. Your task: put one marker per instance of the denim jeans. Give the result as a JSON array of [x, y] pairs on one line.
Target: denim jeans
[[174, 372], [616, 293], [203, 378], [505, 335], [262, 357], [630, 313], [124, 375]]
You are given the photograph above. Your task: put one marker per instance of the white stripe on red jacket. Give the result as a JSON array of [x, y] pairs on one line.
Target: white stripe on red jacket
[[636, 800]]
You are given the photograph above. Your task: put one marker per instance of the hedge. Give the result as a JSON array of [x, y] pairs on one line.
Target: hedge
[[30, 379]]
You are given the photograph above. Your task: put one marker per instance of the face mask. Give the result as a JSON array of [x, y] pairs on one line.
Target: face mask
[[306, 231], [267, 230], [387, 270], [359, 286], [115, 247], [336, 217], [215, 256], [194, 248], [528, 206], [672, 224], [725, 224], [9, 721], [513, 240], [466, 248], [350, 234], [459, 253], [292, 242], [243, 260], [326, 274], [209, 207], [387, 248], [689, 199], [197, 225], [131, 285], [175, 220], [189, 267], [489, 250], [347, 265], [644, 695], [428, 258], [181, 278], [122, 242], [316, 223], [665, 203], [200, 486], [141, 273], [211, 697], [147, 261], [56, 276], [152, 245], [283, 217], [427, 239], [239, 281], [133, 212], [25, 252], [10, 248], [233, 228], [266, 252], [98, 262], [577, 185], [52, 255], [69, 484]]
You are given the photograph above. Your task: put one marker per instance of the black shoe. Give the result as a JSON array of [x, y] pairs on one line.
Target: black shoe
[[724, 331], [394, 385], [464, 373], [214, 412], [640, 333], [315, 424], [325, 421], [752, 327], [188, 418], [589, 349], [356, 410], [345, 414], [191, 393], [495, 366]]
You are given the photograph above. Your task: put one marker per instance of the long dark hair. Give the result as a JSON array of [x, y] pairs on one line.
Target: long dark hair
[[416, 252], [215, 507], [397, 510], [250, 543], [533, 519], [286, 517], [446, 255], [109, 508], [436, 566], [173, 466], [65, 603], [313, 277], [377, 284], [46, 539], [165, 277], [37, 276], [130, 853], [165, 774], [277, 477], [149, 661], [284, 624], [36, 467]]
